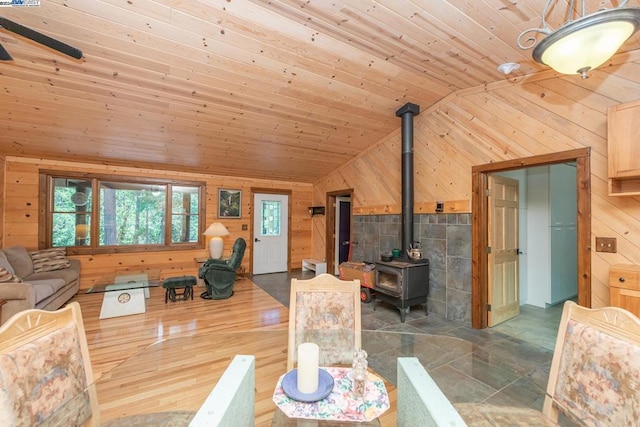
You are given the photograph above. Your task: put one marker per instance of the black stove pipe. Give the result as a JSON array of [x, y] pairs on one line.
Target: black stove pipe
[[407, 111]]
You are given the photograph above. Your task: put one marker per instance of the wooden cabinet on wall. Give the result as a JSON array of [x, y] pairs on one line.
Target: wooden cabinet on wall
[[623, 134], [624, 287]]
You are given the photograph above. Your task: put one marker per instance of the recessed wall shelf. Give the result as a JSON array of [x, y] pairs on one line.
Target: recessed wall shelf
[[316, 210]]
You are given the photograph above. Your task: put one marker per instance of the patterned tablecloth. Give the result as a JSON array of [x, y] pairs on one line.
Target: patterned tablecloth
[[341, 404]]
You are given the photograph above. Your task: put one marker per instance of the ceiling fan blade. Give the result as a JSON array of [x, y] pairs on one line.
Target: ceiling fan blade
[[40, 38], [4, 55]]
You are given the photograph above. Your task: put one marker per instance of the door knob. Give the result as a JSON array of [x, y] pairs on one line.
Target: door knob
[[256, 240]]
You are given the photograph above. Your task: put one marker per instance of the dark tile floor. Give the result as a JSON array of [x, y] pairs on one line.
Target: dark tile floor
[[507, 365]]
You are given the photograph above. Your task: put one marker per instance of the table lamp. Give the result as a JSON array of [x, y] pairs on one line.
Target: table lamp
[[216, 230]]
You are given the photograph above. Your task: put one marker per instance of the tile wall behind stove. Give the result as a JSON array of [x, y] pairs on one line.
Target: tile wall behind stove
[[446, 243]]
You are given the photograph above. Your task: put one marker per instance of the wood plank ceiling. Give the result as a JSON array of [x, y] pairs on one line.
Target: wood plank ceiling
[[276, 89]]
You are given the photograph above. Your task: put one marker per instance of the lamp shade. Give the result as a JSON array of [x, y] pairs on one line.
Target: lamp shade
[[215, 230]]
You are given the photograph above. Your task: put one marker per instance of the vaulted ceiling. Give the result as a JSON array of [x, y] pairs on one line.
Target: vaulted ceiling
[[275, 89]]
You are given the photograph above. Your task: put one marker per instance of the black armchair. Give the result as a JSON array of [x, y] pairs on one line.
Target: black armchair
[[220, 274]]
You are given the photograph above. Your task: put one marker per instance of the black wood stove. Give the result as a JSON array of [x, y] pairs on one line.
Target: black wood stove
[[403, 283]]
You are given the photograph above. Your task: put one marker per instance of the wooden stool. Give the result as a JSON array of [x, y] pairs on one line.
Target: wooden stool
[[170, 285]]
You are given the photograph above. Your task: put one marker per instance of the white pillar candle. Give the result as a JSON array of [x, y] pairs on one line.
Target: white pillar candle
[[308, 357]]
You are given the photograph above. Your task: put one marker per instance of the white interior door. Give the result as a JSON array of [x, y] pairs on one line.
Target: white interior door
[[270, 232]]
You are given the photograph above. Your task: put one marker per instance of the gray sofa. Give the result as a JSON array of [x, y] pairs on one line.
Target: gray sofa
[[46, 290]]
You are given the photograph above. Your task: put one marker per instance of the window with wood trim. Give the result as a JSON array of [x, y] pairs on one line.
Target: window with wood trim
[[101, 214]]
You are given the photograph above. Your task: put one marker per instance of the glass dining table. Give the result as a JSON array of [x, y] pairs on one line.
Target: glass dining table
[[175, 376]]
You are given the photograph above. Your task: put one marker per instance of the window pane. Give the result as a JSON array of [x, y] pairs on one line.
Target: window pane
[[71, 230], [185, 206], [70, 195], [270, 221], [184, 229], [131, 214], [71, 212], [185, 200]]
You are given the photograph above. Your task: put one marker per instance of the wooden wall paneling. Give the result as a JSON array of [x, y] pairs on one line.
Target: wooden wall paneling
[[536, 122], [511, 121], [460, 148], [441, 158], [584, 93], [488, 128], [560, 132], [599, 170], [501, 122], [21, 193], [450, 206], [21, 229], [383, 169], [561, 109], [620, 225], [619, 81], [432, 161]]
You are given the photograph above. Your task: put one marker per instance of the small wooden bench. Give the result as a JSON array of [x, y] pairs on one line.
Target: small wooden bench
[[170, 285], [314, 265]]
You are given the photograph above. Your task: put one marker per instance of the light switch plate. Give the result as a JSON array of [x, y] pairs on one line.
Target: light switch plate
[[606, 244]]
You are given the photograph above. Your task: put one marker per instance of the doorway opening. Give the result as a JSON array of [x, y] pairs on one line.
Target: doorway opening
[[480, 229], [339, 224]]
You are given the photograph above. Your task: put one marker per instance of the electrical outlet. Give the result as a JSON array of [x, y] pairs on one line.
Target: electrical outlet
[[606, 244]]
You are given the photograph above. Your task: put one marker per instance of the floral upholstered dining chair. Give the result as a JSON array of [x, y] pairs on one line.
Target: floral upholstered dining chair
[[325, 310], [594, 378], [45, 371]]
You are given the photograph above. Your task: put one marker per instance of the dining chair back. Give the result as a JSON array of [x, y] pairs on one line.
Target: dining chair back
[[595, 372], [325, 310], [593, 380], [45, 370]]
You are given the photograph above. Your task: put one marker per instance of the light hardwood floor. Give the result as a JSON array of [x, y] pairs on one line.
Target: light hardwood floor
[[112, 341]]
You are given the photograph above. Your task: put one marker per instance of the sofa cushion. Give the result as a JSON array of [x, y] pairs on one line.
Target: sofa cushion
[[49, 259], [7, 276], [4, 263], [66, 274], [20, 260], [46, 288]]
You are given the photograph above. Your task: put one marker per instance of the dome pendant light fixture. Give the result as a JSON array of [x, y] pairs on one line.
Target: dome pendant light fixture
[[584, 43]]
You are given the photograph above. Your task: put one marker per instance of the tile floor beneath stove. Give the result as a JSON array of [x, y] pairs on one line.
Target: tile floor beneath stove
[[507, 364]]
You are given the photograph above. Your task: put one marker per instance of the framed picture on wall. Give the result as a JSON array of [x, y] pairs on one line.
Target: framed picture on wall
[[229, 203]]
